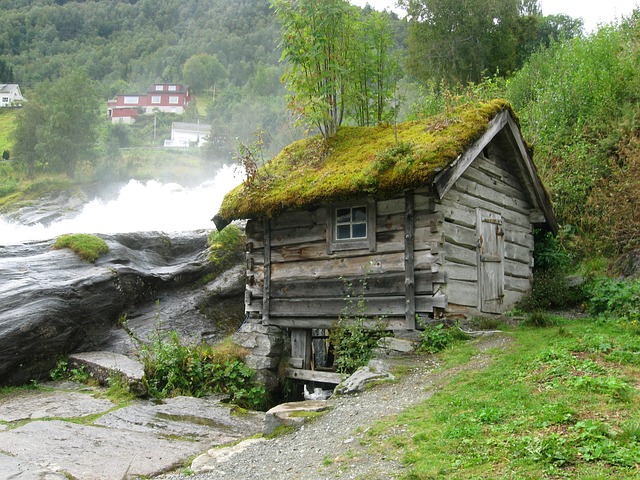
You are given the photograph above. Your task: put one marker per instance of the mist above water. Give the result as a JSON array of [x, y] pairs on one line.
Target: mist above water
[[139, 206]]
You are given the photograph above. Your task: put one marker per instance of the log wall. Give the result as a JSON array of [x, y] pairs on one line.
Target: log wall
[[489, 184]]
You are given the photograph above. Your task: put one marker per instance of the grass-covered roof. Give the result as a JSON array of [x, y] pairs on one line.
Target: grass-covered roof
[[359, 161]]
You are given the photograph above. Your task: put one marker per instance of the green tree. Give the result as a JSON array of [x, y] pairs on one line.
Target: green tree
[[203, 71], [459, 41], [317, 40], [29, 123], [375, 70], [6, 72], [59, 129]]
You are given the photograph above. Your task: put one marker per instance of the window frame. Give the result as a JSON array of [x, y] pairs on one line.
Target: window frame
[[369, 242], [131, 100], [174, 100]]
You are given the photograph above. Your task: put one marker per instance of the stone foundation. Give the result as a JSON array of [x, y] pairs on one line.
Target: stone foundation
[[267, 346]]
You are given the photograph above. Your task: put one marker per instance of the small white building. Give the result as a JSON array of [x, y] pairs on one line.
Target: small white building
[[188, 134], [10, 95]]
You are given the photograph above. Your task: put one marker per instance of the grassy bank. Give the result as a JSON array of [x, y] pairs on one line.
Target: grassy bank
[[560, 402]]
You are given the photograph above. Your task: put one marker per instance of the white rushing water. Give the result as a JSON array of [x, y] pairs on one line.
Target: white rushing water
[[139, 206]]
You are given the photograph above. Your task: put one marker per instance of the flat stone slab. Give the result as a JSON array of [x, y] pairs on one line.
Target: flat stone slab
[[11, 467], [287, 414], [56, 404], [101, 365], [198, 420], [213, 458], [145, 438], [94, 453]]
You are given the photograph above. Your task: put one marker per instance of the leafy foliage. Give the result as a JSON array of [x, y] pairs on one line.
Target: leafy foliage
[[352, 338], [87, 247], [615, 298], [173, 368]]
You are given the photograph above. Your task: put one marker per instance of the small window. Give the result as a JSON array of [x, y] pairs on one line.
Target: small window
[[173, 100], [159, 88], [351, 223], [155, 99], [131, 100], [352, 227], [172, 88]]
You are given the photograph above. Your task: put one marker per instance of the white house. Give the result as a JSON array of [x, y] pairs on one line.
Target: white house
[[10, 95], [188, 134]]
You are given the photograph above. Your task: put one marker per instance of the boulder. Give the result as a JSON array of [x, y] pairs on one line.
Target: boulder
[[375, 370], [52, 303], [292, 414]]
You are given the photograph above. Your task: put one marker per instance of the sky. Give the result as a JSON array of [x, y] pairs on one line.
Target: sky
[[592, 12]]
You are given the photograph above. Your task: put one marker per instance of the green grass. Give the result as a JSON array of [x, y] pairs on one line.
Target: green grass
[[560, 402], [87, 247], [7, 127]]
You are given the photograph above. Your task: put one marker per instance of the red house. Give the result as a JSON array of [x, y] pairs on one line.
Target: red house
[[160, 97]]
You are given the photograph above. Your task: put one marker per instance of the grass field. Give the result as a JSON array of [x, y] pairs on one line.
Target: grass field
[[7, 127], [561, 402]]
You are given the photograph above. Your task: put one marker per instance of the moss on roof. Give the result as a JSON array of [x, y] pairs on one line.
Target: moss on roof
[[359, 161]]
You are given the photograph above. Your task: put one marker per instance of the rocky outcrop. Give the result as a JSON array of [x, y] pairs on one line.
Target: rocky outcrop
[[52, 303]]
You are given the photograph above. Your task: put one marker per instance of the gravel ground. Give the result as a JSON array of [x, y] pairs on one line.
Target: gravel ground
[[331, 446]]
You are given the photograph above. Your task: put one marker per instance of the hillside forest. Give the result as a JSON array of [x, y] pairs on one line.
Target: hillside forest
[[576, 94]]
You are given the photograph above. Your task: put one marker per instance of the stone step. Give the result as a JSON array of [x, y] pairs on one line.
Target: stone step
[[103, 365]]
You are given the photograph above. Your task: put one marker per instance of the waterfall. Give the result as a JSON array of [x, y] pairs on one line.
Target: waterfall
[[139, 206]]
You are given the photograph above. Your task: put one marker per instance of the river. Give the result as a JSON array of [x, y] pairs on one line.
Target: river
[[138, 207]]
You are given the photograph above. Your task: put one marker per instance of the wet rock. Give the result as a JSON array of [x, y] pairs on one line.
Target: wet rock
[[103, 365], [55, 404], [52, 303], [12, 467]]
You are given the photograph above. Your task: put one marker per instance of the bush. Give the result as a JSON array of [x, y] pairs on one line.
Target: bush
[[435, 338], [173, 368], [614, 298], [87, 247], [353, 342]]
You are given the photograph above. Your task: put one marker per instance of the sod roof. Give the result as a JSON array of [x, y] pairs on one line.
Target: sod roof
[[358, 161]]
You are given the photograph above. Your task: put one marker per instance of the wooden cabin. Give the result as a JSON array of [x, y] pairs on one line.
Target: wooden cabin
[[435, 216]]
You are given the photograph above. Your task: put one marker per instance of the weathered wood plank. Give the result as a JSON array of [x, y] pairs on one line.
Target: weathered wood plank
[[462, 293], [373, 306], [349, 266], [409, 273], [460, 235], [491, 173], [517, 269], [516, 284], [266, 295], [457, 271], [448, 177], [313, 376], [390, 323], [301, 347], [457, 254], [497, 197], [513, 217]]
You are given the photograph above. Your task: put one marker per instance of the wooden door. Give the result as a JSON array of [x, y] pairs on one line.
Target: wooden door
[[490, 261]]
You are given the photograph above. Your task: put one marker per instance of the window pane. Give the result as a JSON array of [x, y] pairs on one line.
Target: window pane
[[343, 215], [343, 232], [359, 230], [359, 214]]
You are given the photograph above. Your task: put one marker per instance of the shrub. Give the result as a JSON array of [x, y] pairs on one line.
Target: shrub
[[353, 341], [87, 247], [614, 298], [435, 338], [173, 368]]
